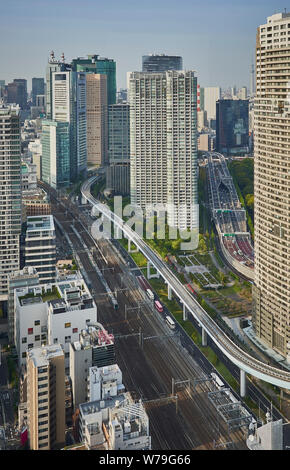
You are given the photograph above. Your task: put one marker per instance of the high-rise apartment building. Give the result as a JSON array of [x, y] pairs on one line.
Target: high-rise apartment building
[[10, 194], [46, 397], [97, 119], [272, 184], [37, 89], [232, 127], [163, 144], [161, 63]]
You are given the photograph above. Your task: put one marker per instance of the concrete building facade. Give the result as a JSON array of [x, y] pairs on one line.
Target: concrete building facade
[[46, 397], [40, 247], [163, 144], [272, 184]]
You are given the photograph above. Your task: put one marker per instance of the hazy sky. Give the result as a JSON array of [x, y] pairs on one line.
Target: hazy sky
[[215, 37]]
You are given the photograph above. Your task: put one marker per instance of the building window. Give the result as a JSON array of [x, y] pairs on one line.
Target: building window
[[37, 322], [55, 340], [67, 325], [37, 338], [67, 339], [24, 339], [24, 354], [30, 331], [75, 330], [30, 346]]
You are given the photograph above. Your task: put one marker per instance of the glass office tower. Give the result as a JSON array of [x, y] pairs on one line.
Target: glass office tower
[[55, 141], [96, 64], [232, 127]]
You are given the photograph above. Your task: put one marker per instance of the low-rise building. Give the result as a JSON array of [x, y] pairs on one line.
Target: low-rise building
[[40, 247], [52, 314], [95, 347], [112, 420]]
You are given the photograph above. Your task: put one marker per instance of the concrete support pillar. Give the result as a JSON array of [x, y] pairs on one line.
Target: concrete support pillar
[[169, 290], [149, 274], [203, 337], [184, 313], [83, 201], [242, 383], [131, 250]]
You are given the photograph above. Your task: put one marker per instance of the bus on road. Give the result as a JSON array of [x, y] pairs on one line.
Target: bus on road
[[170, 322], [158, 306]]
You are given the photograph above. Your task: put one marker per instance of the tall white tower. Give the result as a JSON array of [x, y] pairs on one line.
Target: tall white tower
[[272, 184], [163, 143]]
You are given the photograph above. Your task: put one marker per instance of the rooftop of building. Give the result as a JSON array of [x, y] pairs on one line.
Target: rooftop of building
[[89, 409], [63, 295], [42, 355], [93, 336], [12, 109], [40, 222]]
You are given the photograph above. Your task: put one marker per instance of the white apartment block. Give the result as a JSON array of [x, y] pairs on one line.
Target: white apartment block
[[163, 144], [40, 246], [51, 314], [10, 194], [211, 95], [272, 184]]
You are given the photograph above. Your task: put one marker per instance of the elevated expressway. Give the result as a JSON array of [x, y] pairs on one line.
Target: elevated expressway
[[243, 360]]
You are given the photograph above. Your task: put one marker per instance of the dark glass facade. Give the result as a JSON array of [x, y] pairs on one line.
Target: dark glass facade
[[232, 127], [161, 63], [37, 89]]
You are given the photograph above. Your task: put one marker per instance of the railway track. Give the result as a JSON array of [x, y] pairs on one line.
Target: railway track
[[148, 371]]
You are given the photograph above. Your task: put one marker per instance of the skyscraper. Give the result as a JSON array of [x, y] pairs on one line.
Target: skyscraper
[[69, 105], [118, 171], [17, 92], [232, 126], [53, 65], [99, 65], [161, 63], [97, 119], [55, 161], [37, 89], [163, 143], [272, 184], [10, 194], [46, 397]]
